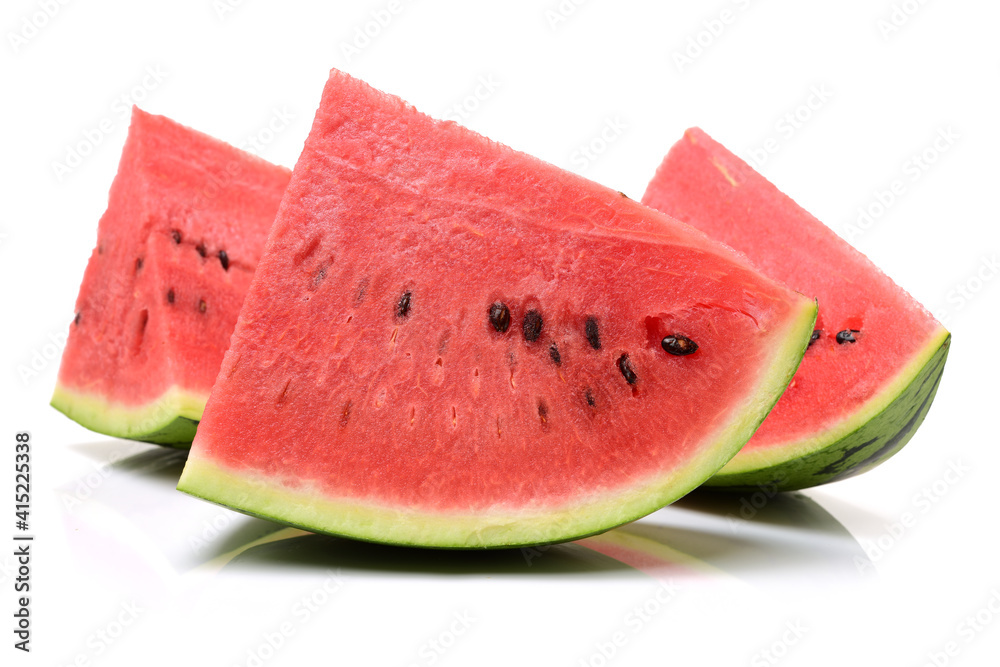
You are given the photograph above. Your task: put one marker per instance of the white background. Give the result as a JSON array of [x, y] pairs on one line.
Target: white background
[[890, 568]]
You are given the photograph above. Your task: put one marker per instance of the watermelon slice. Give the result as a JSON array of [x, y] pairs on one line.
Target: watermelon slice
[[868, 378], [185, 226], [448, 343]]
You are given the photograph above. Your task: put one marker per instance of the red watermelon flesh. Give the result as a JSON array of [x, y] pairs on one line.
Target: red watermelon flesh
[[853, 403], [449, 343], [186, 222]]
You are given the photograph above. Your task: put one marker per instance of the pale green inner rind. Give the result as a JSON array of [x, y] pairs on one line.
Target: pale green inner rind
[[867, 437], [170, 419], [253, 493]]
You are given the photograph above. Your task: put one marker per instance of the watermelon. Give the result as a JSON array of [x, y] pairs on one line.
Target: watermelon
[[451, 344], [877, 356], [186, 222]]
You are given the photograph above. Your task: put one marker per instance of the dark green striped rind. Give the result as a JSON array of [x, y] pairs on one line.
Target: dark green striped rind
[[870, 444]]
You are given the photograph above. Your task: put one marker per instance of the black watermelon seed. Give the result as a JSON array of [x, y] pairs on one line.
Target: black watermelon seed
[[593, 333], [138, 263], [532, 326], [170, 296], [589, 395], [625, 366], [679, 345], [554, 353], [847, 336], [202, 306], [815, 336], [76, 320], [623, 194], [224, 259], [403, 307], [201, 249], [176, 236], [500, 316]]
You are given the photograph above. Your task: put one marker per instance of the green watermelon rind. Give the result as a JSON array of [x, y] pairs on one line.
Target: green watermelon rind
[[168, 420], [869, 436], [252, 493]]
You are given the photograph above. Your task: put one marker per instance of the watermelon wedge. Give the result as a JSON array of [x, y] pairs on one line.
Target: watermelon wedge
[[873, 368], [186, 222], [448, 343]]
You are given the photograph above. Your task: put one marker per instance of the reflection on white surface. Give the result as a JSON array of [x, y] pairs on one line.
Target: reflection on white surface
[[197, 568], [133, 506]]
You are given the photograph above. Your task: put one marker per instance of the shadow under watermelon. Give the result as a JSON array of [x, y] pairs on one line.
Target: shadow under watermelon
[[704, 535]]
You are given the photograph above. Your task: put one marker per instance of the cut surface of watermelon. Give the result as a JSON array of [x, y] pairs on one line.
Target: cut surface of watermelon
[[867, 380], [186, 222], [448, 343]]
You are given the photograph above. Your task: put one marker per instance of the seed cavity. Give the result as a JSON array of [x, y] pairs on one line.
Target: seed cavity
[[593, 333], [500, 316], [138, 264], [345, 414], [543, 411], [140, 331], [224, 259], [554, 354], [171, 297], [678, 345], [284, 393], [625, 366], [319, 275], [202, 306], [403, 306], [589, 395], [201, 249], [532, 326], [176, 235], [847, 336], [815, 337]]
